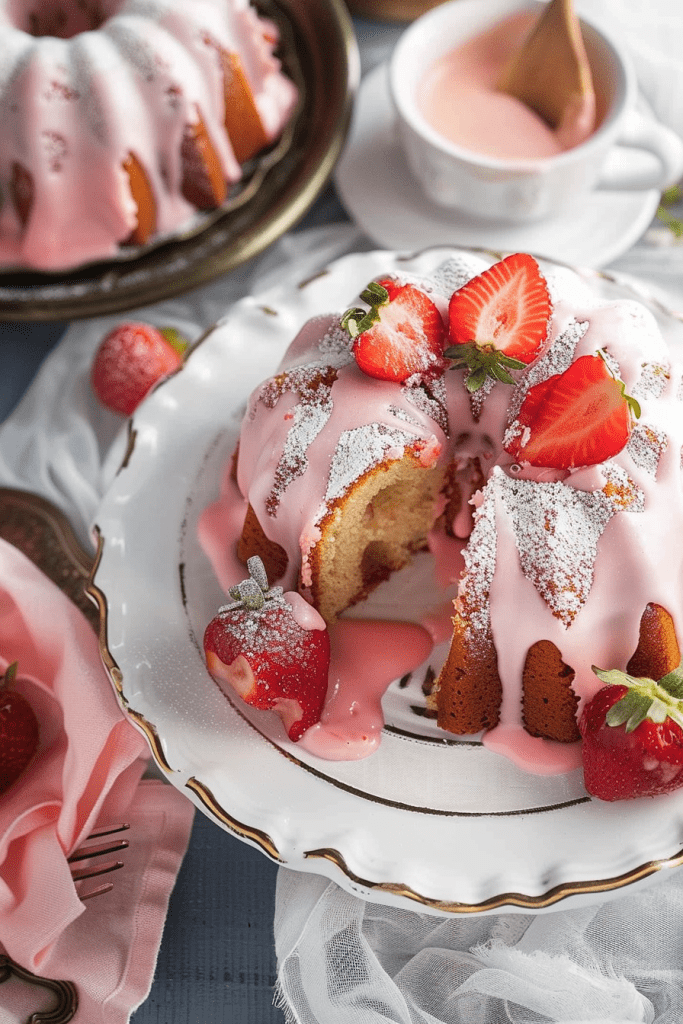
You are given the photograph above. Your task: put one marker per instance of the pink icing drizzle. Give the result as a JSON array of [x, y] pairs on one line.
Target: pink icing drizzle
[[366, 657], [459, 100], [639, 558]]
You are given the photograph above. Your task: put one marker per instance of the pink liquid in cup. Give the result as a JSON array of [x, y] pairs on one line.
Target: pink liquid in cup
[[458, 98]]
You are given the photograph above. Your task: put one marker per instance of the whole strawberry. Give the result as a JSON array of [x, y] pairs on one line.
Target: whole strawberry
[[400, 335], [632, 733], [18, 731], [498, 321], [272, 649], [130, 360]]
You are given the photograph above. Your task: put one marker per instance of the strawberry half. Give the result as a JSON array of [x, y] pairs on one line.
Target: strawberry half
[[632, 733], [577, 418], [400, 335], [272, 650], [498, 321]]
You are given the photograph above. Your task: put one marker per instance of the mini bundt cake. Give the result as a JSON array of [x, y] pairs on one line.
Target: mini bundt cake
[[120, 119], [511, 419]]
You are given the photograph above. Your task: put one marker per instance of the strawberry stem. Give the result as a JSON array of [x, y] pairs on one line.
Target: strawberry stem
[[646, 698], [483, 360], [357, 320], [633, 403], [252, 593]]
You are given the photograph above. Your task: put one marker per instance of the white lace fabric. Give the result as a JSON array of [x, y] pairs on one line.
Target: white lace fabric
[[344, 961]]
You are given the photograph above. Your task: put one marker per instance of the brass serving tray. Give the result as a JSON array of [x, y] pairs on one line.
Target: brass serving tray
[[41, 532], [320, 52]]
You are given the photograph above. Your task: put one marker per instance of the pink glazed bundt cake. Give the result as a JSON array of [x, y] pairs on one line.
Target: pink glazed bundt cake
[[120, 119], [526, 430]]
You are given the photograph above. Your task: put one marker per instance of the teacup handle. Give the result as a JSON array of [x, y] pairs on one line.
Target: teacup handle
[[623, 169]]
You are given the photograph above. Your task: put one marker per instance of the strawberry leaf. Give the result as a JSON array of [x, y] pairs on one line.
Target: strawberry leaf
[[358, 320], [672, 682], [176, 340], [631, 710], [482, 361], [646, 698]]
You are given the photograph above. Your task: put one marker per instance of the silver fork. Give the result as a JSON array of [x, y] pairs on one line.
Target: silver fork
[[87, 853]]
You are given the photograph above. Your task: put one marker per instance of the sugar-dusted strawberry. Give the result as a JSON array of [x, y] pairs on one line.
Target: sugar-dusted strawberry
[[632, 733], [130, 360], [272, 649], [498, 321], [577, 418], [18, 731], [402, 333]]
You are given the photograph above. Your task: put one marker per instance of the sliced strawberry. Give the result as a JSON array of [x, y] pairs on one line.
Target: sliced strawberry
[[272, 650], [499, 320], [577, 418], [402, 334], [632, 733]]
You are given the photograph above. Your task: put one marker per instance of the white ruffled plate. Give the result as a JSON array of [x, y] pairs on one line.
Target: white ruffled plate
[[426, 822]]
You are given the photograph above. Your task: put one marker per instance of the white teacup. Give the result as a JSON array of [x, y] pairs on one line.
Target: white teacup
[[626, 151]]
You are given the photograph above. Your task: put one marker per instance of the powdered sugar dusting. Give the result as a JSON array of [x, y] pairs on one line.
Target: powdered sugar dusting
[[621, 490], [429, 396], [646, 446], [652, 381], [310, 416], [358, 450], [480, 563], [556, 530], [478, 397], [336, 346], [454, 273], [271, 632]]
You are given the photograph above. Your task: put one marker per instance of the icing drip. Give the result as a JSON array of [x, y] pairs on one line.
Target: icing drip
[[652, 381], [556, 530], [480, 563], [430, 397], [646, 446], [308, 419]]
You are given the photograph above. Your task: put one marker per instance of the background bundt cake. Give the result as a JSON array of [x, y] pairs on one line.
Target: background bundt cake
[[120, 119], [533, 442]]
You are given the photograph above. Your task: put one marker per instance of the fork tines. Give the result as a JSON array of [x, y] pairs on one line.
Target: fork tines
[[86, 853]]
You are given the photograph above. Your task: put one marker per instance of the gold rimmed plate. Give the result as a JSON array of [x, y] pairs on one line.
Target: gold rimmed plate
[[427, 822], [320, 52]]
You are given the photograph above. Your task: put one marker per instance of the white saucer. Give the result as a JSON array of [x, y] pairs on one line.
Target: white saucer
[[381, 195]]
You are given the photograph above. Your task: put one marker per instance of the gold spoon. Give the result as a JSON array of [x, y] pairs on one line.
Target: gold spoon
[[551, 73]]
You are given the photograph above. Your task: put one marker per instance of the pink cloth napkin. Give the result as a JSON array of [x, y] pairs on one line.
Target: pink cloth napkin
[[87, 772]]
